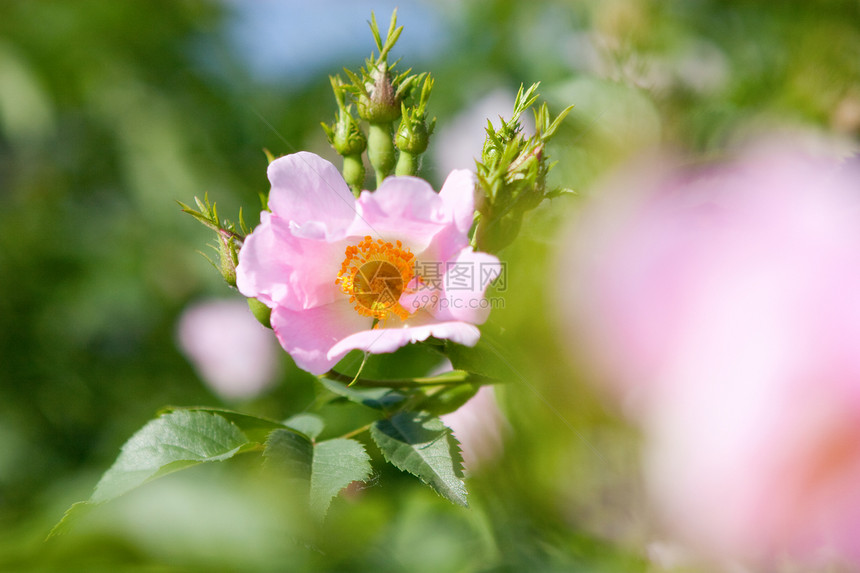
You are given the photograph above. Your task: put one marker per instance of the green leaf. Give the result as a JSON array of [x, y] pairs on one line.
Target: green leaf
[[255, 428], [291, 453], [75, 511], [449, 399], [376, 398], [171, 442], [310, 425], [421, 445], [166, 444], [325, 468], [337, 463]]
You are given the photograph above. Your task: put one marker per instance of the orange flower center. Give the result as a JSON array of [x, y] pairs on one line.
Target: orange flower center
[[374, 274]]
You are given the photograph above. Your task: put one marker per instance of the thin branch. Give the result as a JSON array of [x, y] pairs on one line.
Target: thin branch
[[355, 432], [452, 378]]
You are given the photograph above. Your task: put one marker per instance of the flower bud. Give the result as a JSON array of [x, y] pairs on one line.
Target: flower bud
[[512, 171], [528, 173], [494, 234], [345, 135], [380, 102], [413, 135], [228, 255]]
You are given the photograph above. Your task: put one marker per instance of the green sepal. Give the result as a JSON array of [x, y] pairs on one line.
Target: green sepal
[[261, 312]]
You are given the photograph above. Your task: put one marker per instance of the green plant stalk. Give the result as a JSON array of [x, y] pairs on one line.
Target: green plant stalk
[[355, 432], [447, 379], [380, 150], [407, 164], [353, 172]]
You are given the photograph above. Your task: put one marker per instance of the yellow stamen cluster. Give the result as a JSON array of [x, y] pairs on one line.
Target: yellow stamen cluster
[[374, 274]]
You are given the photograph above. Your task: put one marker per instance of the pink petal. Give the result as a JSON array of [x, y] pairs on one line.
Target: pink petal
[[384, 340], [445, 245], [279, 268], [310, 335], [458, 195], [403, 208], [262, 264], [310, 193], [466, 279]]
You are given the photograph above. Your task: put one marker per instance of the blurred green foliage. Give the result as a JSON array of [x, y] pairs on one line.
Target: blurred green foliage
[[112, 111]]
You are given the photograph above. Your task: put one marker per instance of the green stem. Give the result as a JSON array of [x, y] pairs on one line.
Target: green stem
[[447, 379], [356, 432], [380, 150], [407, 164], [353, 172]]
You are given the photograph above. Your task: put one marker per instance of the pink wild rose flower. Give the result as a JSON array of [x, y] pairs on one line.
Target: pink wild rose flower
[[374, 273], [725, 308]]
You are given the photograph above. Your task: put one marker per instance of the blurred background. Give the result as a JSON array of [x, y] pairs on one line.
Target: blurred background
[[110, 112]]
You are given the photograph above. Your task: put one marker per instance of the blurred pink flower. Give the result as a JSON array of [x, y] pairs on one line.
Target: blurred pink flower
[[374, 273], [232, 352], [480, 428], [725, 308]]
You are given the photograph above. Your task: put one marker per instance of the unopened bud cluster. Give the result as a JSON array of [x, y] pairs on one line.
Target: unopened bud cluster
[[512, 172], [381, 96], [228, 238]]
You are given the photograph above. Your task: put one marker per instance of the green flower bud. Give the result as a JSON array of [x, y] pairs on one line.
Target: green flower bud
[[380, 100], [512, 172], [493, 235], [413, 135], [527, 175], [379, 93], [412, 139], [345, 135], [228, 255]]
